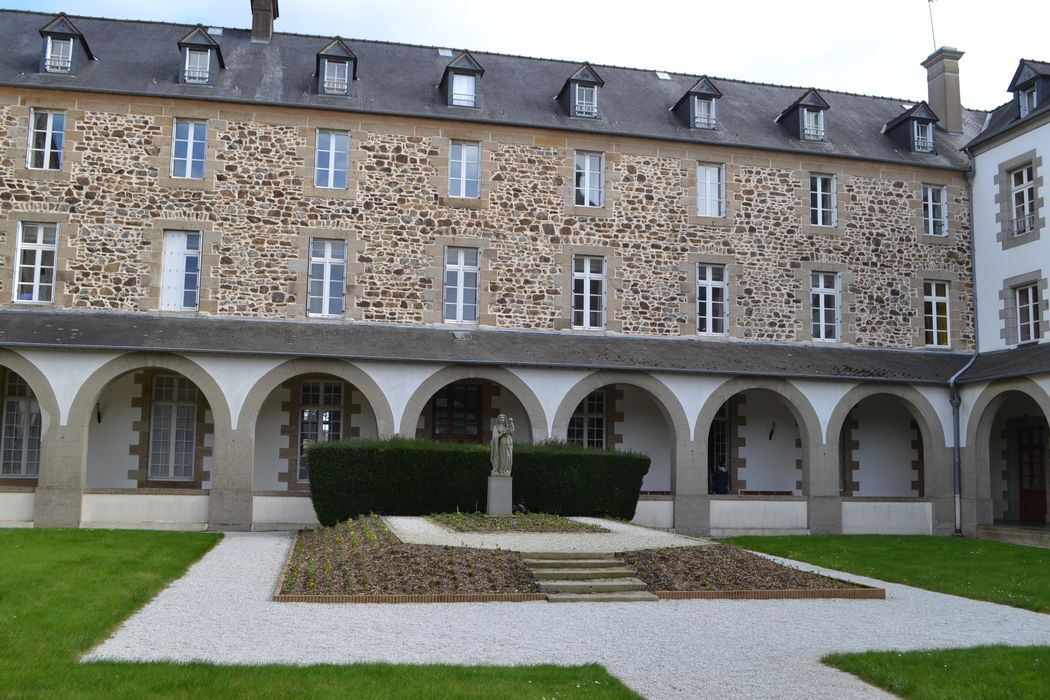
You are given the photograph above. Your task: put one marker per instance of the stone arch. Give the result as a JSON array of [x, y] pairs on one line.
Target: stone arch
[[454, 373], [337, 368], [38, 382], [797, 404], [930, 427]]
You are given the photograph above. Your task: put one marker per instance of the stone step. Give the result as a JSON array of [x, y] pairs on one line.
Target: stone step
[[1032, 537], [620, 597], [583, 574], [570, 563], [611, 585], [568, 555]]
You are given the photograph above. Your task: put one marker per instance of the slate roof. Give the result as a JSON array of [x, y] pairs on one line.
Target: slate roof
[[141, 58], [85, 330], [1015, 362], [1004, 118]]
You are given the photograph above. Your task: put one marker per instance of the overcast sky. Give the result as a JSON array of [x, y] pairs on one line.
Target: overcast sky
[[867, 46]]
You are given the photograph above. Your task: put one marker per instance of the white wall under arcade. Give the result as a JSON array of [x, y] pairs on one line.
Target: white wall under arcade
[[885, 454], [109, 440], [16, 508], [770, 435], [644, 429]]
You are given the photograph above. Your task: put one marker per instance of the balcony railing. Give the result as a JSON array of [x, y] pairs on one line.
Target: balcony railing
[[923, 145], [704, 122], [1023, 224], [813, 133], [586, 109], [335, 86], [464, 99], [58, 64], [196, 75]]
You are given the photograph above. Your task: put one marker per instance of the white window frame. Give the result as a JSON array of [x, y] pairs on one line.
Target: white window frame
[[705, 112], [1028, 101], [1023, 220], [197, 133], [462, 186], [710, 195], [586, 100], [458, 270], [183, 396], [328, 177], [823, 299], [1027, 300], [588, 420], [21, 426], [934, 210], [712, 299], [181, 274], [922, 137], [823, 186], [329, 262], [328, 430], [197, 72], [464, 90], [589, 179], [54, 139], [583, 302], [936, 314], [36, 268], [813, 131], [60, 61], [336, 77]]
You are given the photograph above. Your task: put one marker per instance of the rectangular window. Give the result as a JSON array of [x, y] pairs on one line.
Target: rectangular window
[[824, 305], [327, 284], [464, 170], [461, 285], [1022, 197], [20, 440], [934, 210], [35, 268], [587, 424], [1027, 313], [197, 65], [590, 180], [710, 189], [320, 419], [823, 200], [188, 152], [586, 100], [1028, 101], [456, 413], [588, 292], [922, 136], [704, 115], [180, 280], [59, 55], [336, 77], [464, 88], [332, 159], [46, 136], [173, 429], [813, 124], [935, 313], [712, 290]]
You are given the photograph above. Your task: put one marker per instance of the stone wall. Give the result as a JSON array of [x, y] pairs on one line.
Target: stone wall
[[258, 198]]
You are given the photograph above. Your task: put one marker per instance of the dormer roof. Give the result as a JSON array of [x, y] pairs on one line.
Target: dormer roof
[[703, 88], [810, 99], [920, 112], [338, 50], [199, 37], [63, 26], [584, 75], [462, 63], [1028, 71]]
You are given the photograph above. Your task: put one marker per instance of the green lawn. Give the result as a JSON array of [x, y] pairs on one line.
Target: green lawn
[[977, 674], [63, 591], [1000, 573]]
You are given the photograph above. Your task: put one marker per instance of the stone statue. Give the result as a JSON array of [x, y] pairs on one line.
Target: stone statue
[[502, 455]]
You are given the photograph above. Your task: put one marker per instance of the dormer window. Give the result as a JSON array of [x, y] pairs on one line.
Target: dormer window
[[922, 137], [1028, 101], [704, 114], [336, 74], [813, 124], [586, 101], [198, 66], [59, 58], [464, 90]]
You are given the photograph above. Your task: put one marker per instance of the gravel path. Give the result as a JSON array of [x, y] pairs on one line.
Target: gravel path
[[623, 537], [221, 612]]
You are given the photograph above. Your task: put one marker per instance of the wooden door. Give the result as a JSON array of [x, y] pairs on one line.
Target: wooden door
[[456, 416], [1031, 442]]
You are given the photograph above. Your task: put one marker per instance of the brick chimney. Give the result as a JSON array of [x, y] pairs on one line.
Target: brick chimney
[[264, 12], [942, 77]]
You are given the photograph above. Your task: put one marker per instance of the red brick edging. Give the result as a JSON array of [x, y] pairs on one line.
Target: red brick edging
[[784, 594]]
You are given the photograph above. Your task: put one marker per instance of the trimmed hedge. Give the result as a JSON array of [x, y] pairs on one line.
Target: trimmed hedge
[[416, 477]]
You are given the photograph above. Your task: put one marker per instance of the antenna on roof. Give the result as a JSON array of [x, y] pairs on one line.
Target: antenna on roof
[[933, 34]]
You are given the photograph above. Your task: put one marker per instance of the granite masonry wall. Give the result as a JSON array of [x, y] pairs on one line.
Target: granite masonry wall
[[258, 207]]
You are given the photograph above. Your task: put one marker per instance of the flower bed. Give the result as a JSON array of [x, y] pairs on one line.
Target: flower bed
[[524, 522]]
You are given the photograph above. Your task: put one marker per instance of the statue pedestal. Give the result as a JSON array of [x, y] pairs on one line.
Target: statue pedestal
[[500, 498]]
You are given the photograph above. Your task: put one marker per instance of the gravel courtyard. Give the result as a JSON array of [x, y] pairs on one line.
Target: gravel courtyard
[[221, 612]]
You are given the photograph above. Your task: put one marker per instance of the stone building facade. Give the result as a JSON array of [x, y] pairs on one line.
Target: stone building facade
[[746, 296]]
